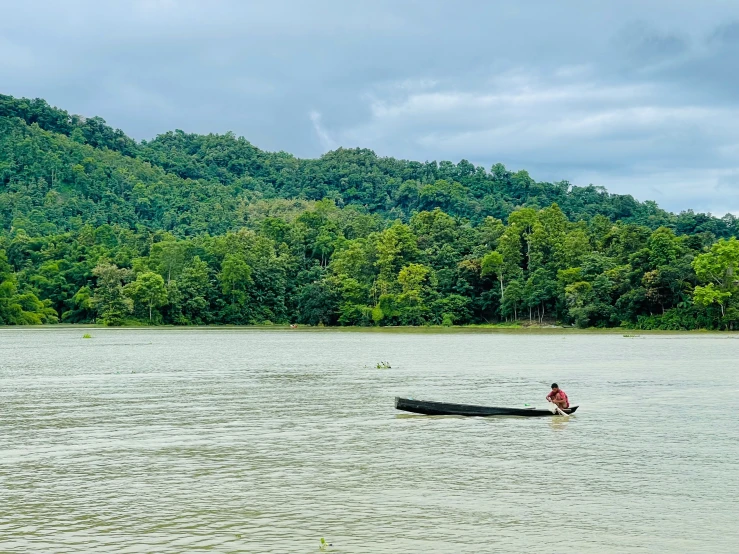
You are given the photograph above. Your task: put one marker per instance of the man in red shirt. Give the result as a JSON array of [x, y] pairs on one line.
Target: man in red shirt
[[559, 397]]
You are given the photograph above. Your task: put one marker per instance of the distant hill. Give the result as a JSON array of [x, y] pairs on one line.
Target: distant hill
[[227, 170]]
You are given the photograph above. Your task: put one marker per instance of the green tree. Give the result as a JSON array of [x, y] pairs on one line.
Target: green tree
[[235, 278], [318, 303], [664, 247], [148, 290], [82, 306], [195, 290], [719, 265], [539, 291], [580, 298], [510, 248], [512, 300], [111, 303], [709, 295], [718, 269], [395, 247], [415, 287], [571, 251], [169, 258], [20, 308], [493, 264], [523, 223], [413, 277]]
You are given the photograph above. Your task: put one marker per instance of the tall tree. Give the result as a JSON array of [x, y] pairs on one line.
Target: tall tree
[[148, 290], [111, 303], [235, 278]]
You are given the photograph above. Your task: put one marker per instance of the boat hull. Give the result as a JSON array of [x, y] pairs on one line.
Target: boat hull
[[426, 407]]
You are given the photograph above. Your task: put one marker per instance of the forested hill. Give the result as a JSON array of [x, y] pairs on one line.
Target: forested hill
[[228, 171], [210, 229]]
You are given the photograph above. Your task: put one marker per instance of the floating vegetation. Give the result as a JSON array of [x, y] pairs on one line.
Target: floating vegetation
[[632, 336], [383, 365], [324, 544], [87, 336]]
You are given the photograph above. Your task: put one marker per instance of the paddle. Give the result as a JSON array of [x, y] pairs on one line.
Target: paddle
[[556, 409]]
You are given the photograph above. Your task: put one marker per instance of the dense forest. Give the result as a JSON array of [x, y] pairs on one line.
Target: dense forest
[[208, 229]]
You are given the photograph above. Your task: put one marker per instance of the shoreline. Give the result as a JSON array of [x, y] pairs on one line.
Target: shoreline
[[440, 329]]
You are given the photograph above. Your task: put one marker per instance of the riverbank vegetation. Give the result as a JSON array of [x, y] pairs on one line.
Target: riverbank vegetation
[[208, 229]]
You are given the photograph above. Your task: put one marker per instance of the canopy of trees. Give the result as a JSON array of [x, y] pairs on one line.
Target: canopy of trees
[[193, 229]]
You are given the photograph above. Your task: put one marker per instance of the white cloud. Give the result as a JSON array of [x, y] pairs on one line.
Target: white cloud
[[634, 138], [327, 143]]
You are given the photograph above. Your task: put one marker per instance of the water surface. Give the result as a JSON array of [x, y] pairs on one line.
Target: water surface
[[264, 441]]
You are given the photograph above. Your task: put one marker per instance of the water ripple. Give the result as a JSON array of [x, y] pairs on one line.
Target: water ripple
[[250, 441]]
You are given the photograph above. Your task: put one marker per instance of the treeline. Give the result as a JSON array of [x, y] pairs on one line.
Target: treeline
[[325, 265], [190, 229]]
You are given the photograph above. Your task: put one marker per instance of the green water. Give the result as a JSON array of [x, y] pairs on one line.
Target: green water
[[265, 441]]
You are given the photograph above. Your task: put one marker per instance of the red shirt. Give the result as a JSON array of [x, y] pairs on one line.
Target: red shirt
[[559, 396]]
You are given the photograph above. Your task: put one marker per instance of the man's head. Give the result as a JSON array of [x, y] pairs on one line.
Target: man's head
[[555, 387]]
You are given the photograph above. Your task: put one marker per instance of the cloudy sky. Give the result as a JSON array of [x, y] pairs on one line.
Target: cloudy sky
[[639, 96]]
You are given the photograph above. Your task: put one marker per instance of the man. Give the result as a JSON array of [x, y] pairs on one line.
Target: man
[[559, 397]]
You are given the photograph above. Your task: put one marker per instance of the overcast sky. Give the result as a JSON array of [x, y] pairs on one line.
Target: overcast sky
[[639, 96]]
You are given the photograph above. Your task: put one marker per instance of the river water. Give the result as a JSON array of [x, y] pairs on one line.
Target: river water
[[265, 441]]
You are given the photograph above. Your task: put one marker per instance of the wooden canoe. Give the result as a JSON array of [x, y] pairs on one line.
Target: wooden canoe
[[445, 408]]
